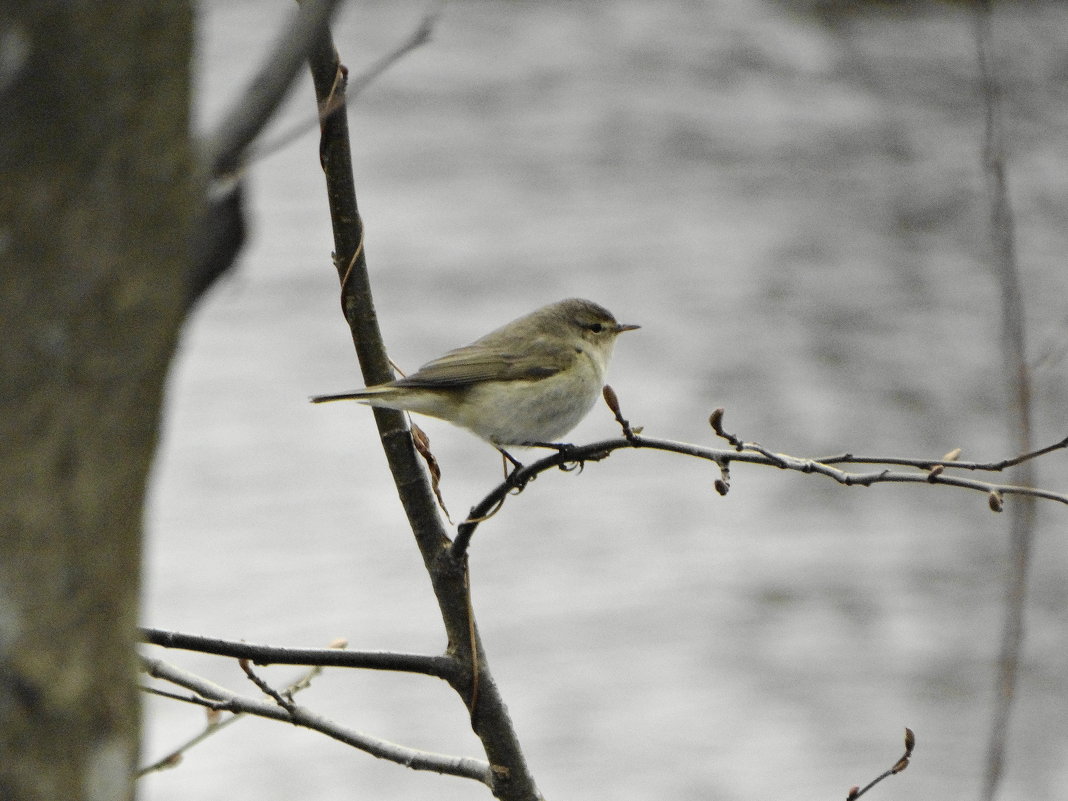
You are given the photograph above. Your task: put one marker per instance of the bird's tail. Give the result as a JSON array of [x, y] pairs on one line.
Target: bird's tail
[[356, 395], [364, 394]]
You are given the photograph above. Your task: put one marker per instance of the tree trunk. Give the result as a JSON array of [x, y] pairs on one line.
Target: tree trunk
[[96, 200]]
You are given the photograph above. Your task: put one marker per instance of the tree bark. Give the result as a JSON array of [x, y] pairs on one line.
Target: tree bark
[[96, 202]]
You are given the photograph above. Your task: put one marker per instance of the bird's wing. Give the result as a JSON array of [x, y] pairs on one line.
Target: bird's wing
[[486, 362]]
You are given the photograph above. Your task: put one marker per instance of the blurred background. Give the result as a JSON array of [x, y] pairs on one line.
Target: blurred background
[[789, 198]]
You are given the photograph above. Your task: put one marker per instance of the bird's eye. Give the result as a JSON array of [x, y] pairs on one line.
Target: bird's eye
[[595, 327]]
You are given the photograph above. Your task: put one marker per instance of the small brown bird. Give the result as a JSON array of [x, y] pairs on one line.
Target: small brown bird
[[528, 382]]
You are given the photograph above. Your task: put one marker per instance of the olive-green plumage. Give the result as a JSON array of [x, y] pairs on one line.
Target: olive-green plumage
[[530, 381]]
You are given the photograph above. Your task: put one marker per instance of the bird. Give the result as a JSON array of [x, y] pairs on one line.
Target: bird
[[527, 383]]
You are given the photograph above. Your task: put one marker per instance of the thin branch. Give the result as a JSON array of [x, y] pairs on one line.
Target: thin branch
[[442, 667], [752, 453], [357, 83], [265, 688], [225, 148], [510, 779], [1014, 359], [299, 716], [898, 767], [221, 230], [927, 464], [215, 723]]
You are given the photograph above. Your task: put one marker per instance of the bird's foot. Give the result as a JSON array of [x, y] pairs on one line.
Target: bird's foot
[[516, 464], [559, 447], [562, 448]]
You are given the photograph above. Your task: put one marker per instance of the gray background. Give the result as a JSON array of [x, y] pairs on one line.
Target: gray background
[[794, 212]]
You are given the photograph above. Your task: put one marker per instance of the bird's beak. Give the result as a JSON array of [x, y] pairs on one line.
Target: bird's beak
[[621, 327]]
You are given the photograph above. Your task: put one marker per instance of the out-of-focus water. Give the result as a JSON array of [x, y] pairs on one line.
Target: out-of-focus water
[[795, 214]]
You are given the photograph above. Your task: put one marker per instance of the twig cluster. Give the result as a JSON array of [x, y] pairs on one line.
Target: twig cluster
[[279, 705]]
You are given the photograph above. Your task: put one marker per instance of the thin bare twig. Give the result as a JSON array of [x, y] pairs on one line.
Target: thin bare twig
[[510, 779], [356, 84], [299, 716], [265, 688], [226, 147], [751, 453], [900, 765], [215, 723], [927, 464], [1014, 358], [441, 667]]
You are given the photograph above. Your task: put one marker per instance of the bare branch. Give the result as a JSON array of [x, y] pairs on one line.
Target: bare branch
[[510, 779], [226, 146], [265, 688], [357, 83], [441, 667], [299, 716], [900, 765], [1015, 367], [215, 722], [752, 453], [927, 464]]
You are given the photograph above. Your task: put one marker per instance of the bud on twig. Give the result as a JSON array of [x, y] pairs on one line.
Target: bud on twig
[[997, 503], [612, 400], [716, 420]]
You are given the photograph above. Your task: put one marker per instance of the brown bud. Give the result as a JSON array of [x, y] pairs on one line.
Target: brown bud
[[995, 500], [610, 398], [910, 741], [716, 420], [854, 791], [172, 761], [900, 766], [722, 487]]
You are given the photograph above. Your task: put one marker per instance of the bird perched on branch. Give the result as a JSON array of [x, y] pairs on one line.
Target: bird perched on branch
[[526, 383]]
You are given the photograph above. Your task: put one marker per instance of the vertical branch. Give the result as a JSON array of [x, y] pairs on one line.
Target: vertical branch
[[1014, 359], [511, 779], [356, 300]]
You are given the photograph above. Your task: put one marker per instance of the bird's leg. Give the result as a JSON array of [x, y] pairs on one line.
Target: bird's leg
[[516, 467], [563, 449], [516, 464]]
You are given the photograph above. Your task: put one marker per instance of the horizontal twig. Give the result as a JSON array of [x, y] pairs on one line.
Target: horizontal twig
[[441, 667], [927, 464], [752, 453]]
